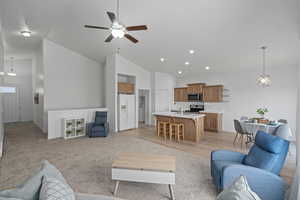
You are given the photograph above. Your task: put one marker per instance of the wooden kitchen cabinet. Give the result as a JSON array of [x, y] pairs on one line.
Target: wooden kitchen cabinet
[[195, 88], [177, 95], [212, 121], [184, 95], [125, 88], [213, 93], [180, 94]]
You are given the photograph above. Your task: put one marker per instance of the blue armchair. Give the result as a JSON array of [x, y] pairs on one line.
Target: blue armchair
[[261, 166], [99, 128]]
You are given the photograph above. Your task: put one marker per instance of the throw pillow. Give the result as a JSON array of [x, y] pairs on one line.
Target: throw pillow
[[29, 190], [239, 190], [54, 189]]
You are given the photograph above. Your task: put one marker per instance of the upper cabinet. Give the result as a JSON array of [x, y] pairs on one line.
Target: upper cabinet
[[213, 93], [195, 88], [126, 84], [180, 94], [125, 88]]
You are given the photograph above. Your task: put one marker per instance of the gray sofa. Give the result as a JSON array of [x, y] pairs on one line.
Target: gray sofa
[[30, 188]]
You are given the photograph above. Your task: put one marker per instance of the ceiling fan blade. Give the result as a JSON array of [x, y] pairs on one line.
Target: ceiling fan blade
[[111, 16], [136, 28], [96, 27], [132, 39], [109, 38]]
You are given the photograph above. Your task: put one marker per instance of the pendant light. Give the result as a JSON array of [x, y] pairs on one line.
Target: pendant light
[[26, 34], [264, 80], [11, 71]]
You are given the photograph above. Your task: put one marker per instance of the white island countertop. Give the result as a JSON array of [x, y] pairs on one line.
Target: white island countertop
[[212, 111], [180, 115]]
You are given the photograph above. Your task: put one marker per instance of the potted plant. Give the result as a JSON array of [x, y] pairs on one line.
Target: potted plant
[[262, 112]]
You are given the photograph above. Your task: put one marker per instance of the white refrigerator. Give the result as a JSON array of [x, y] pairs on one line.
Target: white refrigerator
[[126, 111]]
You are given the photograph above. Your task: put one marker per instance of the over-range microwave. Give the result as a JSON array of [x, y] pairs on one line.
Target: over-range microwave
[[195, 97]]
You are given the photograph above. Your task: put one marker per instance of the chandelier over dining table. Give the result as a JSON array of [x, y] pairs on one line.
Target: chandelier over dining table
[[264, 80]]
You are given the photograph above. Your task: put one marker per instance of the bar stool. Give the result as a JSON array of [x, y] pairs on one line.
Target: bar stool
[[163, 129], [177, 130], [172, 130]]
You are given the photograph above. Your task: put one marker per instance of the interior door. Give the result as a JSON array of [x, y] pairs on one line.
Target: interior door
[[11, 107], [142, 108], [26, 103]]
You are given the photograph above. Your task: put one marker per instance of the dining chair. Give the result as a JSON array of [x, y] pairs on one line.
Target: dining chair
[[243, 118], [241, 132], [283, 131], [283, 121]]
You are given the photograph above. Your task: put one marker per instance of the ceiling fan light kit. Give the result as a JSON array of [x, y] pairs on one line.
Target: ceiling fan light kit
[[26, 34], [117, 29]]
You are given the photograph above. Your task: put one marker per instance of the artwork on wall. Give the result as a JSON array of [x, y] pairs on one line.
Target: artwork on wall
[[36, 98]]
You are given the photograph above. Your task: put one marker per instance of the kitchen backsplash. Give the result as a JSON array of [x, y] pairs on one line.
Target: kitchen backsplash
[[186, 106]]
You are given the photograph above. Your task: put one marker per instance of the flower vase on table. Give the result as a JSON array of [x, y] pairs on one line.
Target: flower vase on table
[[261, 112]]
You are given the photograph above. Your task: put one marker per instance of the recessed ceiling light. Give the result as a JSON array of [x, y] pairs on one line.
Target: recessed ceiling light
[[26, 33], [179, 72], [191, 51], [162, 59], [207, 67], [187, 63]]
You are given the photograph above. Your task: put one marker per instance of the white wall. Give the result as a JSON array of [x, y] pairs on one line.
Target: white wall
[[162, 84], [23, 81], [164, 81], [298, 123], [111, 91], [116, 64], [294, 192], [246, 96], [142, 77], [55, 117], [38, 87], [71, 80], [126, 67], [1, 82]]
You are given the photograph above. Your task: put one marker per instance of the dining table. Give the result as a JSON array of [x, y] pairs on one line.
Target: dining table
[[253, 127]]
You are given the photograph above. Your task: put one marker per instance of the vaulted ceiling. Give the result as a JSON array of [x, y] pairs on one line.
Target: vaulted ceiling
[[224, 34]]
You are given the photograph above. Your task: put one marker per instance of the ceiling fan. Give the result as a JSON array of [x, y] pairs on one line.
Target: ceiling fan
[[118, 30]]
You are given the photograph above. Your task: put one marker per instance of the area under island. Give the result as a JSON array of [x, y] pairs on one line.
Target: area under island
[[193, 123]]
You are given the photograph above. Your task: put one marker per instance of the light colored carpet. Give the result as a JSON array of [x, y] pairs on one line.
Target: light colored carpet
[[86, 164]]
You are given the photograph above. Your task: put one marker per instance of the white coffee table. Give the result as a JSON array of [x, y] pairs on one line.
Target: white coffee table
[[145, 168]]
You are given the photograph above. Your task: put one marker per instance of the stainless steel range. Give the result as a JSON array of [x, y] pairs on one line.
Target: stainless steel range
[[196, 107]]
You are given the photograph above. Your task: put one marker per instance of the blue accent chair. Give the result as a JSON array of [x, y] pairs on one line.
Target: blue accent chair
[[261, 166], [99, 128]]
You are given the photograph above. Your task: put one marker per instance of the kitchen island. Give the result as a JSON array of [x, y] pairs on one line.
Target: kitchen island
[[193, 123]]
